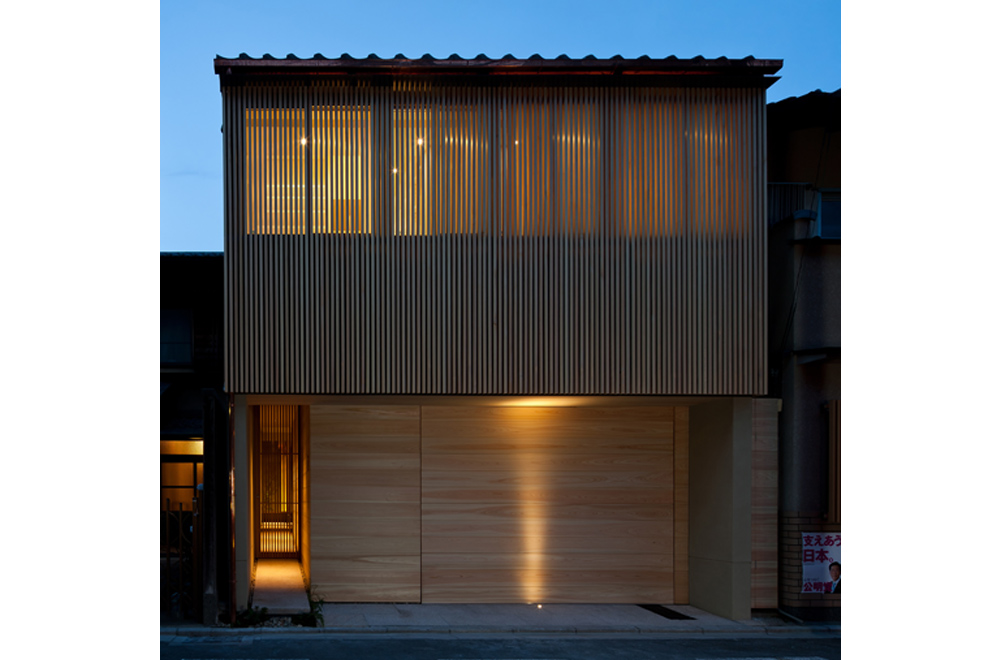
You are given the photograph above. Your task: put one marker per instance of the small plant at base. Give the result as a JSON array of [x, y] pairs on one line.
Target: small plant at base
[[314, 618], [250, 618]]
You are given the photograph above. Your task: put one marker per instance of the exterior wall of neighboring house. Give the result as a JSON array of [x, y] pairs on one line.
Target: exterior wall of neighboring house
[[804, 168], [191, 355], [520, 318], [194, 438]]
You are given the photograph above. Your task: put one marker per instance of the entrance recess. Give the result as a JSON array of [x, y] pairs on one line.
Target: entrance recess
[[278, 482]]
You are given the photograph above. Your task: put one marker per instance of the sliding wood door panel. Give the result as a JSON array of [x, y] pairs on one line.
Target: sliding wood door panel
[[548, 504], [365, 508]]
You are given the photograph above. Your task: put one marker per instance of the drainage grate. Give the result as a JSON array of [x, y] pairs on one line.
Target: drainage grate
[[666, 612]]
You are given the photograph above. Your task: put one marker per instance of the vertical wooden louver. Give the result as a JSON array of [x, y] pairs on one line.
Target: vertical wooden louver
[[416, 237]]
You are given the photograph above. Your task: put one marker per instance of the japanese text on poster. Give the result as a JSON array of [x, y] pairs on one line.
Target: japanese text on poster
[[820, 563]]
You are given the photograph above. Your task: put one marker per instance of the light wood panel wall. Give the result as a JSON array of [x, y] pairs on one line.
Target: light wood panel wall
[[553, 505], [417, 237], [365, 503]]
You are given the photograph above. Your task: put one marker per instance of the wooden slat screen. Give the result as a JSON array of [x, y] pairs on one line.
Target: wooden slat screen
[[278, 486], [420, 238]]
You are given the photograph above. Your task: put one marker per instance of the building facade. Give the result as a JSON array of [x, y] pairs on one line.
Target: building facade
[[496, 330], [804, 220], [194, 438]]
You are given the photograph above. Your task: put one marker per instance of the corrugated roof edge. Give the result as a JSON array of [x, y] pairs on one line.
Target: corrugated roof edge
[[815, 94], [508, 63]]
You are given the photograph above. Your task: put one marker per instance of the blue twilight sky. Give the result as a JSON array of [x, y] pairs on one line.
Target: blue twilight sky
[[803, 33]]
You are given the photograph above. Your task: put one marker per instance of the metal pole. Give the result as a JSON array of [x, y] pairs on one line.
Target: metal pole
[[232, 510], [166, 522], [180, 558], [193, 563], [210, 517]]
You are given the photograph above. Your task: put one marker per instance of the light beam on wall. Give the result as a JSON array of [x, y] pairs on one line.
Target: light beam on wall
[[532, 491]]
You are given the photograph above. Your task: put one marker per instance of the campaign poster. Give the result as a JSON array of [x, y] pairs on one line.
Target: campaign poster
[[821, 563]]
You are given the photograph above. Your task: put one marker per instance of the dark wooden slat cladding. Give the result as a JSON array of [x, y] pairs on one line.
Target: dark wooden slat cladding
[[419, 238]]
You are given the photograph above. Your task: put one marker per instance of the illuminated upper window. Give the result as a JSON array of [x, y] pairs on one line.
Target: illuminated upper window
[[341, 170], [530, 162], [276, 171], [438, 170]]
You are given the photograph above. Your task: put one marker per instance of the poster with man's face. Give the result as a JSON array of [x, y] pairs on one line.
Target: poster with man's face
[[821, 563]]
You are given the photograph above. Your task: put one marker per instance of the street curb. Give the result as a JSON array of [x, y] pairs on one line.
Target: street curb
[[692, 631]]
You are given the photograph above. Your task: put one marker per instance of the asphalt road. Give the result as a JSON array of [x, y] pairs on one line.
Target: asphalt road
[[522, 648]]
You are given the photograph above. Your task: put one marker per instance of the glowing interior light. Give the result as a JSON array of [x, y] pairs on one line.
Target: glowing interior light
[[394, 170], [303, 140], [515, 144], [179, 447], [420, 142]]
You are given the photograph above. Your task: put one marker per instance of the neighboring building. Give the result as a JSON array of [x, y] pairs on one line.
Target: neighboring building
[[804, 253], [496, 330], [194, 442]]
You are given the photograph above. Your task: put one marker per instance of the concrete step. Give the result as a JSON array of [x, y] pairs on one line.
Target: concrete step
[[280, 587]]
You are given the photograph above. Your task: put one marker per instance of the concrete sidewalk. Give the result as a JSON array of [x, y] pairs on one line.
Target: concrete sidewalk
[[478, 619]]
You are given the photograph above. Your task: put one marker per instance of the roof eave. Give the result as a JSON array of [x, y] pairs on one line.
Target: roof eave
[[246, 66]]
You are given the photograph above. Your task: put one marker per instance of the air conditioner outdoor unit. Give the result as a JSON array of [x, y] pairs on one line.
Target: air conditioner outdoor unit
[[827, 221]]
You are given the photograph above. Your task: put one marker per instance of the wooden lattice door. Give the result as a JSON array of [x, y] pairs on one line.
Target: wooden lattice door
[[278, 480]]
